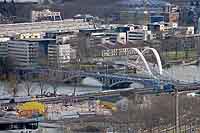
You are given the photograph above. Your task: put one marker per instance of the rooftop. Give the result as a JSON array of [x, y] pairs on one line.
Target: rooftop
[[38, 39], [31, 40], [141, 3], [10, 120]]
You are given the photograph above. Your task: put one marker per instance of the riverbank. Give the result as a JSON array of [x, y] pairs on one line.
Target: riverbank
[[180, 55], [181, 62]]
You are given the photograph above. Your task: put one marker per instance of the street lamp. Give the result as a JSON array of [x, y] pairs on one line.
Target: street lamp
[[177, 109]]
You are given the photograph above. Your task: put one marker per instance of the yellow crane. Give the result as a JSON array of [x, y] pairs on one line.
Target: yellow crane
[[146, 13]]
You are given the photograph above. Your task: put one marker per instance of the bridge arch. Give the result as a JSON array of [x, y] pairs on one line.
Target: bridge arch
[[121, 85], [156, 54], [91, 81], [142, 57]]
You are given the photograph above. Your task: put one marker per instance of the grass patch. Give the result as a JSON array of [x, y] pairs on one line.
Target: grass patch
[[173, 55]]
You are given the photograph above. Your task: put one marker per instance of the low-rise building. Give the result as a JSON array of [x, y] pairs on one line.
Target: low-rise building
[[45, 15], [30, 35], [56, 33], [135, 35], [121, 34]]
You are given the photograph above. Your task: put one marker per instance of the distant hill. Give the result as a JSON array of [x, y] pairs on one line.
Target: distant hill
[[181, 2], [94, 7]]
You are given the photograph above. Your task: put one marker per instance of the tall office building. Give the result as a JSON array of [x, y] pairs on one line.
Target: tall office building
[[23, 53]]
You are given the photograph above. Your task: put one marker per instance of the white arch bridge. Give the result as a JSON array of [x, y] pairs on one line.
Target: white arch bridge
[[141, 63]]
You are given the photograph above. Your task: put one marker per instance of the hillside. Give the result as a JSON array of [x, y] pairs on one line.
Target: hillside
[[94, 7]]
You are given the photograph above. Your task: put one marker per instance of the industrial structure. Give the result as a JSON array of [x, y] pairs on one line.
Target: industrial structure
[[45, 15]]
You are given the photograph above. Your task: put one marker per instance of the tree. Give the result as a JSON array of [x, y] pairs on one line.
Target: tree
[[4, 87], [12, 83], [43, 83], [28, 84], [54, 78], [6, 65]]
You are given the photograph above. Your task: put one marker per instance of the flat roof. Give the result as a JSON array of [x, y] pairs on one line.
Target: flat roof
[[59, 31], [140, 3], [37, 39], [11, 120], [90, 29]]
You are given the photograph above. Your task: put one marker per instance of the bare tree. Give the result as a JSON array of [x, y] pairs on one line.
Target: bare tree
[[43, 83], [159, 112], [54, 78], [4, 87], [12, 83], [28, 84], [6, 66]]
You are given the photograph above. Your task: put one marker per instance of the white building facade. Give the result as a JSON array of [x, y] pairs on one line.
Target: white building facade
[[45, 15], [61, 53], [23, 53], [4, 46]]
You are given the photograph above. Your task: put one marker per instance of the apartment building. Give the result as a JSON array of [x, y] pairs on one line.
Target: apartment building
[[4, 46], [61, 53], [23, 53]]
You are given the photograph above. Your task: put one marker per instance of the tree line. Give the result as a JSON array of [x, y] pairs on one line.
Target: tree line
[[13, 82]]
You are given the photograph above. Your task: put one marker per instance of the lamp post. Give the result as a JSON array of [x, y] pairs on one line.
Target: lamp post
[[177, 109]]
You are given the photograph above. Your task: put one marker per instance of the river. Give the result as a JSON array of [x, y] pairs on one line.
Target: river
[[189, 73]]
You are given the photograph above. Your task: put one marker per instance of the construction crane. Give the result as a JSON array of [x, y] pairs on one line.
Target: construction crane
[[146, 13]]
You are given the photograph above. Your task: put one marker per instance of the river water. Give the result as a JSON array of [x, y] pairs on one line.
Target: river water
[[189, 73]]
